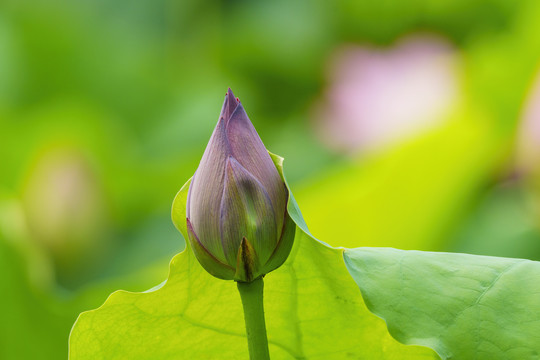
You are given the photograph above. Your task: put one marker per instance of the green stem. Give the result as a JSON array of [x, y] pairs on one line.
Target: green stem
[[252, 300]]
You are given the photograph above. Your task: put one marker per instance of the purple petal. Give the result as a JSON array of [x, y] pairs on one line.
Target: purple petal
[[247, 147], [188, 200], [207, 260], [204, 197]]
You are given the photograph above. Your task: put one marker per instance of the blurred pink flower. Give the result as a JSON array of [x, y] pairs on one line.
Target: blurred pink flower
[[529, 133], [66, 209], [379, 96]]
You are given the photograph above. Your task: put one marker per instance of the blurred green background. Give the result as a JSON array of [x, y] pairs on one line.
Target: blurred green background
[[410, 124]]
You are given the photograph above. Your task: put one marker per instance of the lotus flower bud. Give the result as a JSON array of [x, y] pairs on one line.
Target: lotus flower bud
[[237, 219]]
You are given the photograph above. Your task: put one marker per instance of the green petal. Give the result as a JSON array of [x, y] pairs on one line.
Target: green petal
[[283, 248], [246, 211]]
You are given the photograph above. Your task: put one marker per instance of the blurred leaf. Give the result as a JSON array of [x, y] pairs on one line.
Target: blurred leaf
[[43, 319], [458, 19], [413, 195], [408, 196], [504, 223], [313, 310], [503, 93], [463, 306], [27, 317]]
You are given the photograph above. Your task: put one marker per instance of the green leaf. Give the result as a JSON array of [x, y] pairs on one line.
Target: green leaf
[[313, 311], [463, 306]]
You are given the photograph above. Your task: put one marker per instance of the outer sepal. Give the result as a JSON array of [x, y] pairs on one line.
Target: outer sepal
[[247, 265]]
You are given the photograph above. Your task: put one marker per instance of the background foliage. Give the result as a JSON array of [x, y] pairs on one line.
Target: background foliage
[[106, 107]]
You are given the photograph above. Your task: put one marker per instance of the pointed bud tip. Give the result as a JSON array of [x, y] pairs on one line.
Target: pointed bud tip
[[229, 105], [230, 95]]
